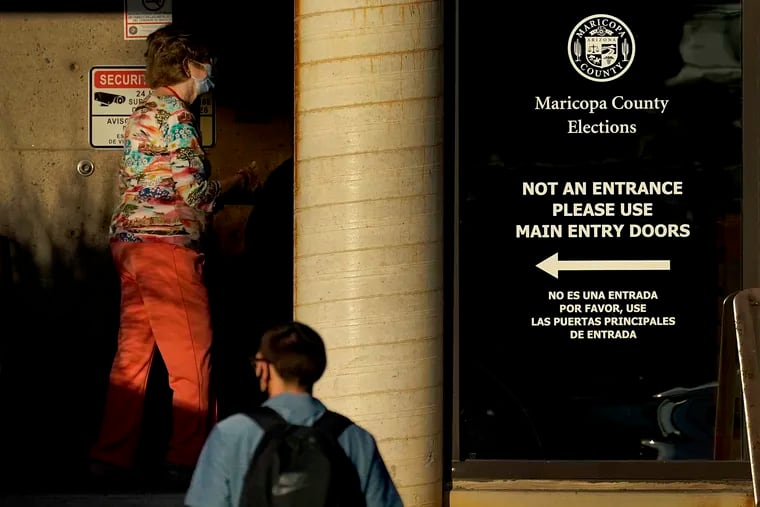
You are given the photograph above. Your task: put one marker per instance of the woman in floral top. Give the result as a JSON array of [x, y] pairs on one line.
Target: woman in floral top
[[157, 235]]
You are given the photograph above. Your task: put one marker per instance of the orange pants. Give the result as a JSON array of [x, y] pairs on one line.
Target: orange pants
[[164, 304]]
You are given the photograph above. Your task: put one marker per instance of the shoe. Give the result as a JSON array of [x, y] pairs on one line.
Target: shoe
[[176, 476], [107, 475], [102, 470]]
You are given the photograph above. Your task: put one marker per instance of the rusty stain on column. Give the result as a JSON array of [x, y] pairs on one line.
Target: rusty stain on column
[[368, 221]]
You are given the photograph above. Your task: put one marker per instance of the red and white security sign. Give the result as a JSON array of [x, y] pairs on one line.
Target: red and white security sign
[[115, 91]]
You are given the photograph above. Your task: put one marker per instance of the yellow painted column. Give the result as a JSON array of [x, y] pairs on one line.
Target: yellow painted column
[[368, 221]]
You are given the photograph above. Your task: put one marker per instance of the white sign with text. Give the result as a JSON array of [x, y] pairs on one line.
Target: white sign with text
[[115, 91]]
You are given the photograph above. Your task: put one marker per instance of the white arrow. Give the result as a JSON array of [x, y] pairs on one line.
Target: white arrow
[[553, 265]]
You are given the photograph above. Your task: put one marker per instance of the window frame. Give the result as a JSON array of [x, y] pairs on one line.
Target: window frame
[[644, 470]]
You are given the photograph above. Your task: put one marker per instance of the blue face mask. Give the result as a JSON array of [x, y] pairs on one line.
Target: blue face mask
[[204, 85]]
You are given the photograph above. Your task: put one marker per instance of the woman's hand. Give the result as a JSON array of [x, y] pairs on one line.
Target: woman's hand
[[249, 177]]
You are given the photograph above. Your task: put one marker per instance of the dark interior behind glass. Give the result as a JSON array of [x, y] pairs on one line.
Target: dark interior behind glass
[[641, 381]]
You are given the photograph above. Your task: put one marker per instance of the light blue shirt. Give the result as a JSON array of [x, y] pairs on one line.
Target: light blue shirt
[[223, 463]]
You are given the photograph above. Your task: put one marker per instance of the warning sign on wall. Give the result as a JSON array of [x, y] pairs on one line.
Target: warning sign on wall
[[115, 91], [143, 17]]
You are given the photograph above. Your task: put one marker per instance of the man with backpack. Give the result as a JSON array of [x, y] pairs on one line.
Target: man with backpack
[[291, 451]]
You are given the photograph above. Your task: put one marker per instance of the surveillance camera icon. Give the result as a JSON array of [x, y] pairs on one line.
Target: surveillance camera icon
[[107, 99]]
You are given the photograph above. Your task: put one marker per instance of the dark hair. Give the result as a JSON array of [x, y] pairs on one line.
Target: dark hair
[[169, 49], [296, 351]]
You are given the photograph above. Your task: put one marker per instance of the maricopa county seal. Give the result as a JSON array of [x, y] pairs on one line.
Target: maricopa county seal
[[601, 48]]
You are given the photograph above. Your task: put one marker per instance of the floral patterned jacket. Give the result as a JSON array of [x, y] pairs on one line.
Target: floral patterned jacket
[[165, 191]]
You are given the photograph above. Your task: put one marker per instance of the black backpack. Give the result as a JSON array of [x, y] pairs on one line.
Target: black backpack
[[299, 466]]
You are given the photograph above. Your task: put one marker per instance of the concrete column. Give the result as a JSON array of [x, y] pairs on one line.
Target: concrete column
[[368, 221]]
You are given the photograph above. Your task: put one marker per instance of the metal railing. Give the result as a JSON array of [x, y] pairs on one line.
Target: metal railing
[[746, 306]]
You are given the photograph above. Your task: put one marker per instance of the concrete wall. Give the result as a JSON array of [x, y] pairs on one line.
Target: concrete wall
[[45, 206]]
